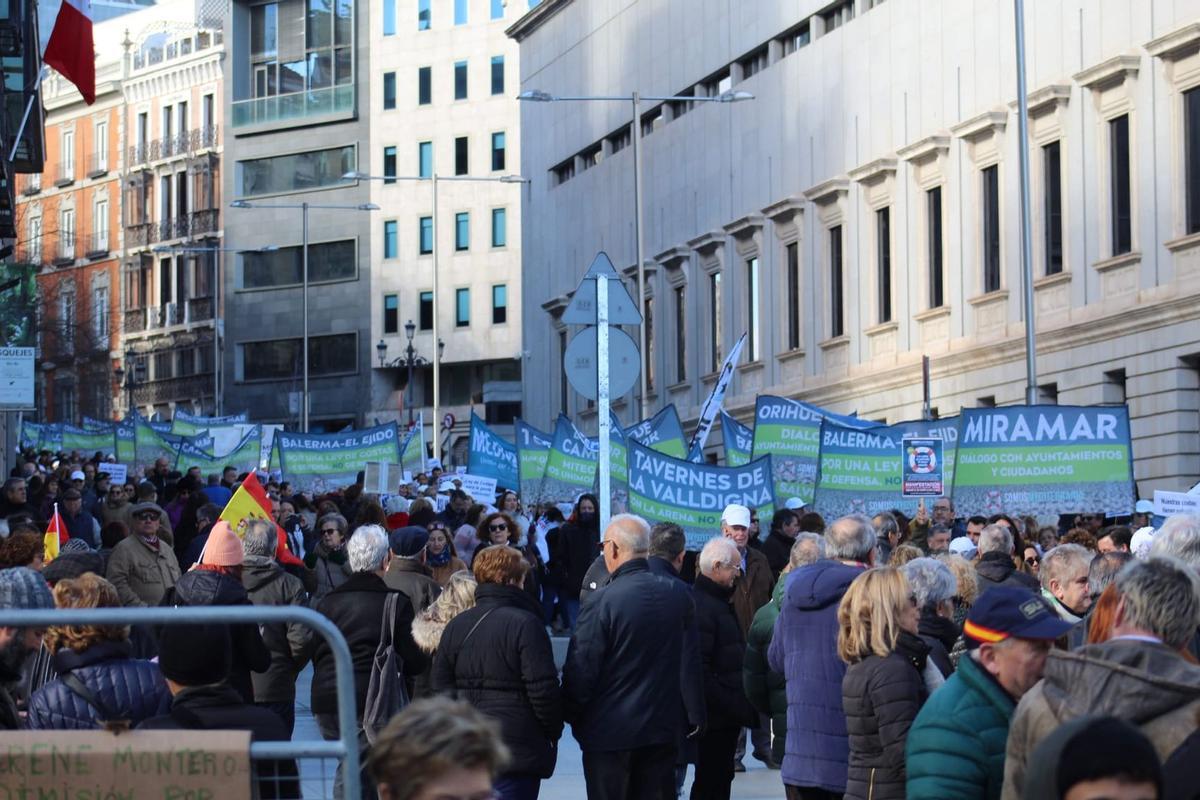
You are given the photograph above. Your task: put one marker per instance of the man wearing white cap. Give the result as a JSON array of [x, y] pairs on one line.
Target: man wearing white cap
[[751, 592]]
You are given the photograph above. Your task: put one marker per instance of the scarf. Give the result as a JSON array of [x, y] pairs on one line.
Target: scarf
[[152, 541], [439, 560]]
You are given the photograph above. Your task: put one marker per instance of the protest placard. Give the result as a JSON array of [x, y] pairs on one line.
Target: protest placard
[[117, 473]]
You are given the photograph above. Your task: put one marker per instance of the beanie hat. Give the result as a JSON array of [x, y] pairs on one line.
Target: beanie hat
[[22, 588], [194, 655], [223, 548], [75, 546]]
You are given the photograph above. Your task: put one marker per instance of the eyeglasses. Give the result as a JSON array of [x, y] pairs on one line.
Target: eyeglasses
[[147, 517], [1031, 560], [331, 530], [497, 528]]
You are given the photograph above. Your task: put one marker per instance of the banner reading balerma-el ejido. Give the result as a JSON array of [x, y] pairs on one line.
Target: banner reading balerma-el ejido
[[324, 462]]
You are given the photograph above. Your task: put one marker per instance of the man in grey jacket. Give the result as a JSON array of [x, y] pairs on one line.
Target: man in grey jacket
[[407, 572]]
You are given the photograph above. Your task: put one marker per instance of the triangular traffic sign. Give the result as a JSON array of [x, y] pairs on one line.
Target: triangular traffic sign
[[582, 308]]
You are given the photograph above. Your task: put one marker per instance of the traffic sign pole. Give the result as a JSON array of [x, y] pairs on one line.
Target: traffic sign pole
[[602, 401]]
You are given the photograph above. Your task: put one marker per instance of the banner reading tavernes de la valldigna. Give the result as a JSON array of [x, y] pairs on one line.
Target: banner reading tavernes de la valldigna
[[861, 470], [322, 462], [1044, 460], [666, 489]]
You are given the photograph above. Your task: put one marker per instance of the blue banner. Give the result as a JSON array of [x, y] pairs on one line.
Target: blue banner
[[533, 450], [571, 465], [491, 456], [739, 441], [662, 432]]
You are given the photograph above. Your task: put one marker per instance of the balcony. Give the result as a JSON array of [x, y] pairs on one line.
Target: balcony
[[204, 221], [33, 185], [97, 245], [174, 228], [297, 107], [204, 137], [139, 154], [199, 309], [65, 249], [141, 234], [167, 390], [135, 320], [97, 165], [64, 174]]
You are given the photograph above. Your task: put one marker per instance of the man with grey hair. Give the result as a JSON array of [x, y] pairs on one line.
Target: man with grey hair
[[622, 678], [804, 650], [1179, 537], [356, 608], [995, 566], [1139, 675], [934, 586], [268, 585], [1064, 577], [1101, 573]]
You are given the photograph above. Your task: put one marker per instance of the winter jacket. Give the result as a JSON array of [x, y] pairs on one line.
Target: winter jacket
[[410, 577], [1181, 772], [804, 651], [82, 526], [881, 697], [267, 584], [955, 747], [1148, 685], [575, 547], [998, 569], [753, 588], [441, 575], [506, 670], [595, 578], [722, 650], [764, 687], [141, 574], [940, 634], [329, 570], [625, 664], [778, 550], [691, 675], [219, 707], [207, 588], [356, 608], [129, 689]]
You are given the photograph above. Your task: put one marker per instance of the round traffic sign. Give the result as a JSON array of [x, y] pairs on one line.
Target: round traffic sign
[[447, 422], [624, 363]]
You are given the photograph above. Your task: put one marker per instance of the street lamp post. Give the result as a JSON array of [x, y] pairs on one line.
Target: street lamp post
[[434, 179], [304, 208], [636, 98], [410, 359]]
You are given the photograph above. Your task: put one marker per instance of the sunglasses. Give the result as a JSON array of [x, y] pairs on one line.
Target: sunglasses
[[496, 528], [331, 530], [147, 517], [1031, 560]]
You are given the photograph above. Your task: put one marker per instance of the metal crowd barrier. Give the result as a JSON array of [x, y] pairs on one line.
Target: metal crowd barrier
[[344, 749]]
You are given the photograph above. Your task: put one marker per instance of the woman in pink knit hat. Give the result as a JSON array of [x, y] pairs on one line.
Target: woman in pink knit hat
[[216, 580]]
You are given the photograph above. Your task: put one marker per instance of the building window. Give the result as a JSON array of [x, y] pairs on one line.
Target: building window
[[1121, 208], [66, 316], [499, 227], [390, 245], [389, 91], [389, 17], [327, 261], [1052, 203], [391, 313], [297, 171], [101, 147], [497, 74], [460, 80], [34, 248], [423, 16], [99, 227], [933, 229], [680, 334], [837, 311], [425, 311], [462, 231], [389, 165], [207, 118], [100, 316], [297, 47], [425, 159], [648, 356], [462, 308], [754, 340], [66, 233], [1191, 132], [990, 184], [792, 282], [280, 359], [460, 12], [499, 304], [796, 38], [883, 263], [68, 155], [714, 321], [498, 151], [462, 161], [424, 86], [838, 15], [425, 226], [497, 9]]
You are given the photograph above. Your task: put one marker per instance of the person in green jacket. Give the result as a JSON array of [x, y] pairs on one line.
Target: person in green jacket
[[765, 688], [957, 743]]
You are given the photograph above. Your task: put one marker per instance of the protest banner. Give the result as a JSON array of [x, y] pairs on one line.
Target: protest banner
[[618, 460], [87, 442], [571, 464], [480, 487], [126, 442], [1168, 503], [322, 462], [861, 471], [412, 447], [117, 473], [245, 455], [1044, 460], [739, 441], [790, 432], [93, 424], [490, 454], [151, 444], [662, 432], [533, 449], [185, 424], [137, 765], [666, 489], [50, 437], [30, 434], [712, 404]]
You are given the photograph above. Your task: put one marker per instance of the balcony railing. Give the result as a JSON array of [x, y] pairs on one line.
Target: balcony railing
[[135, 320], [97, 165], [97, 244], [204, 137], [64, 174], [293, 107], [33, 185], [139, 154], [204, 221], [65, 249], [166, 390], [141, 234], [199, 309]]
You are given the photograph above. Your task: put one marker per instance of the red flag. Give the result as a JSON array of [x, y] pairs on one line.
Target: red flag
[[71, 49], [56, 535]]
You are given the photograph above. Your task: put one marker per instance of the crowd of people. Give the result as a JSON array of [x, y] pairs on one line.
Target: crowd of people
[[931, 657]]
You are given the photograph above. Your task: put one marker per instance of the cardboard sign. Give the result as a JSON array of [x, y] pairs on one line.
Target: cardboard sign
[[185, 765], [1168, 503], [382, 478], [922, 467], [480, 487], [117, 473]]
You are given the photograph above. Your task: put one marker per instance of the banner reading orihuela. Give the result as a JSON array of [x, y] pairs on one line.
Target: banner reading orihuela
[[739, 441], [490, 455], [571, 465], [1044, 460], [861, 470], [666, 489], [322, 462], [533, 449], [662, 432]]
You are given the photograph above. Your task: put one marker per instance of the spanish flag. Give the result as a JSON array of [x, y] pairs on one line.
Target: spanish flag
[[56, 535], [250, 502]]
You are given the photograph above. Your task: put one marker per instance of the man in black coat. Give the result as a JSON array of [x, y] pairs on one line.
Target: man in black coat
[[995, 566], [722, 650], [621, 680], [195, 661], [15, 499]]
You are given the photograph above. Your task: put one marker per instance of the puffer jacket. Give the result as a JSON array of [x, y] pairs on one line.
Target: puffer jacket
[[506, 670], [804, 650], [765, 688], [722, 650], [130, 689], [267, 584], [206, 588], [882, 697], [941, 634], [998, 569]]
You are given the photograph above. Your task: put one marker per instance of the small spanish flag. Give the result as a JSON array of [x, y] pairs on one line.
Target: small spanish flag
[[56, 535], [250, 502]]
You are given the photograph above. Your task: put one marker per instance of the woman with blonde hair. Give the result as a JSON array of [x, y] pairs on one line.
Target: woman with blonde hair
[[457, 596], [885, 683]]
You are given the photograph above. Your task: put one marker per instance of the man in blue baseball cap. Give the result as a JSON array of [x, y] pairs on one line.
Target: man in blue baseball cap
[[957, 742]]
